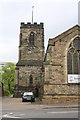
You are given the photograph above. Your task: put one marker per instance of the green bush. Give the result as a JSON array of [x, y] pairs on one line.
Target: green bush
[[7, 92], [8, 77]]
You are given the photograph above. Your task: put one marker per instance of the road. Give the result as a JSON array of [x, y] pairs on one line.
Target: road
[[14, 108], [54, 113]]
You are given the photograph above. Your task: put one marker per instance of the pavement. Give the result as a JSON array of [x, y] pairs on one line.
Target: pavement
[[16, 103]]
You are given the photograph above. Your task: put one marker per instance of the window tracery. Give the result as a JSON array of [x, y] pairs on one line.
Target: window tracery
[[73, 57]]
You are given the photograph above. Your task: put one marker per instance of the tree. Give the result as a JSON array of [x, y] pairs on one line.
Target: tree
[[8, 76]]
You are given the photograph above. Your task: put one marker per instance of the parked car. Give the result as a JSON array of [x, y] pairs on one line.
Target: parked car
[[28, 96]]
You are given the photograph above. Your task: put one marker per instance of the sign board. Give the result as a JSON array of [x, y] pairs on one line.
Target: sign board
[[73, 78]]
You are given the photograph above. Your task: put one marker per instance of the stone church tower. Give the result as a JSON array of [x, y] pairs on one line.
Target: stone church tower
[[29, 69]]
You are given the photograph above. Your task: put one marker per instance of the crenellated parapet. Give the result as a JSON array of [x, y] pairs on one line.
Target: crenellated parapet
[[30, 25]]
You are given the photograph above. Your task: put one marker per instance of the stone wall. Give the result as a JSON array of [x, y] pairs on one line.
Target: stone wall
[[23, 79], [50, 99], [26, 71], [56, 86]]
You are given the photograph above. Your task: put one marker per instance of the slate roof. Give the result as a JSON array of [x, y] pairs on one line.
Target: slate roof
[[30, 63], [64, 34]]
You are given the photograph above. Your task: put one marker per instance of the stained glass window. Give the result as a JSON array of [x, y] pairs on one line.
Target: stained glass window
[[69, 64], [73, 57]]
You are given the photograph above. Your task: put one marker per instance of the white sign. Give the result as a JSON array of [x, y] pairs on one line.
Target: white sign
[[73, 78]]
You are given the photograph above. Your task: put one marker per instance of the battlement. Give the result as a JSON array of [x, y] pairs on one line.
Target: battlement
[[30, 25]]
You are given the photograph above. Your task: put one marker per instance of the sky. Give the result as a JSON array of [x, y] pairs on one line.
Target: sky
[[57, 16]]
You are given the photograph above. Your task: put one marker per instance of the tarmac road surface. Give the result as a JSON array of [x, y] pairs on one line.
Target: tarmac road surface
[[13, 108], [54, 113]]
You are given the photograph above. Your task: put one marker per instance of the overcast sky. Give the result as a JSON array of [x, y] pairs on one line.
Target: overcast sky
[[57, 16]]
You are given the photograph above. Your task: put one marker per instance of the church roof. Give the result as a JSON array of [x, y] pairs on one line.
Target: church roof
[[64, 34], [30, 63]]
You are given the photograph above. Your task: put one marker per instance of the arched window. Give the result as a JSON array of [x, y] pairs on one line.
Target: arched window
[[30, 80], [31, 38], [73, 57]]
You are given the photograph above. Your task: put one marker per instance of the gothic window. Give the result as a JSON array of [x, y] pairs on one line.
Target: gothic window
[[31, 38], [30, 80], [73, 57]]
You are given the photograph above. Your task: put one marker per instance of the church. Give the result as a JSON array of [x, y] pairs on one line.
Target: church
[[54, 76]]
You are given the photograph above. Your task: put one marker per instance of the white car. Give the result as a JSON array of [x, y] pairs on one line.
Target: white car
[[28, 96]]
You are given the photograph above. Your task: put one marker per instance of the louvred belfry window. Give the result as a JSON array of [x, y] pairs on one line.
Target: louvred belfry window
[[31, 39]]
